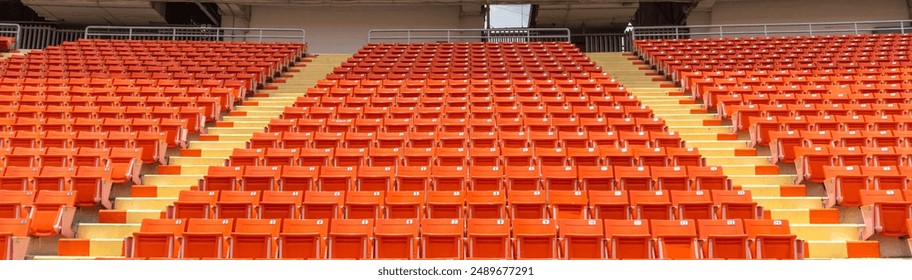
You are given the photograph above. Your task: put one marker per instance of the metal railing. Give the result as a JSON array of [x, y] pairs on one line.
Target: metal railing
[[603, 42], [197, 33], [770, 29], [469, 35], [11, 30], [42, 36]]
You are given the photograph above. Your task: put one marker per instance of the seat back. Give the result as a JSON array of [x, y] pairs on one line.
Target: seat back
[[488, 239], [773, 240], [205, 238], [535, 238], [396, 239], [628, 239], [582, 238], [723, 239], [442, 238], [303, 239], [280, 205], [350, 239], [156, 238], [254, 238], [322, 205], [675, 239]]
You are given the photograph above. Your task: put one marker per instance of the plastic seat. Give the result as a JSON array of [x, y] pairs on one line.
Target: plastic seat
[[156, 238], [246, 157], [551, 156], [577, 140], [260, 178], [350, 157], [385, 157], [535, 238], [350, 239], [488, 156], [442, 239], [486, 178], [237, 204], [282, 157], [692, 205], [560, 178], [486, 205], [723, 239], [221, 178], [708, 178], [404, 205], [254, 239], [396, 239], [305, 156], [736, 204], [449, 178], [288, 140], [885, 213], [445, 204], [298, 178], [633, 178], [581, 239], [617, 156], [488, 239], [337, 178], [525, 204], [302, 239], [772, 239], [14, 239], [517, 157], [15, 204], [205, 238], [280, 205], [523, 178], [324, 205], [628, 239], [651, 205], [676, 239], [885, 177], [418, 156], [18, 178], [451, 156], [194, 205], [363, 204]]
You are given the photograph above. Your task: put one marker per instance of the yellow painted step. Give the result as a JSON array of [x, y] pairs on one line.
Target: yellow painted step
[[218, 144], [794, 216], [727, 144], [273, 114], [96, 230], [136, 216], [183, 180], [758, 190], [776, 202], [667, 117], [250, 124], [142, 203], [193, 169], [233, 137], [737, 160], [762, 179], [173, 191], [689, 136], [247, 118], [260, 108], [672, 123], [735, 170], [819, 249], [717, 152], [233, 130], [208, 161], [703, 129], [106, 247], [826, 232]]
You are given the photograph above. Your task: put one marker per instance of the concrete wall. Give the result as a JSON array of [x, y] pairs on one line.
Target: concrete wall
[[344, 29], [792, 11]]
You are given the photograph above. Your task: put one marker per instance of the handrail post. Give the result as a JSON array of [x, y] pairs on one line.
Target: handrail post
[[765, 30], [856, 28], [811, 29]]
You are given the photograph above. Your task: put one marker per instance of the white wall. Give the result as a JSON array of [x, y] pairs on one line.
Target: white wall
[[793, 11], [344, 29]]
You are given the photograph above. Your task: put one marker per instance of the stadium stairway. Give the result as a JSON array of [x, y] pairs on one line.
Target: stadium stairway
[[748, 168], [104, 238]]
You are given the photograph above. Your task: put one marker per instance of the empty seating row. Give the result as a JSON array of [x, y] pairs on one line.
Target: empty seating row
[[464, 239], [557, 204], [820, 113], [45, 213], [499, 113], [892, 130], [810, 161], [152, 144], [123, 164], [224, 96], [423, 100], [459, 178], [471, 125], [783, 144], [501, 139], [844, 183]]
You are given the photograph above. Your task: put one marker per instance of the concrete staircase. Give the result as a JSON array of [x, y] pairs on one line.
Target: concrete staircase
[[750, 169]]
